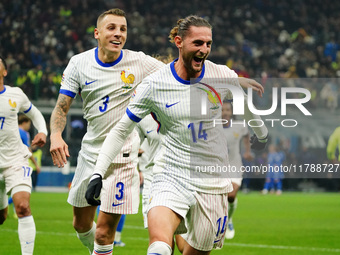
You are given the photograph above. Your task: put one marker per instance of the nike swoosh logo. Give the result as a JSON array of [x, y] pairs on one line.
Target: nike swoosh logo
[[29, 242], [114, 205], [88, 83], [154, 253], [169, 105], [216, 241], [149, 131]]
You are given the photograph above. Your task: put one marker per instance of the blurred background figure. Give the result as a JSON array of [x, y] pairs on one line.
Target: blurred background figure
[[234, 134], [274, 175], [37, 155], [334, 145]]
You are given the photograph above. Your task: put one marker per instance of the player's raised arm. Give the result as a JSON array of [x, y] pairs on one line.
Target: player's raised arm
[[59, 149], [111, 147], [250, 83]]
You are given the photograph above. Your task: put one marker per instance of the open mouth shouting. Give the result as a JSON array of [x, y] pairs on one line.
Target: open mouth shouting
[[198, 60]]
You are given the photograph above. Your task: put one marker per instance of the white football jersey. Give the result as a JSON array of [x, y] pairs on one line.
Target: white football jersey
[[147, 129], [106, 89], [192, 146], [234, 134], [12, 149]]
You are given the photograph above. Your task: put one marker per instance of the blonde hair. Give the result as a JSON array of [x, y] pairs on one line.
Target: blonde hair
[[115, 11], [183, 26]]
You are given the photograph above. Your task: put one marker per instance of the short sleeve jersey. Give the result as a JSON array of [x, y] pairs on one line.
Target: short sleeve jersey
[[106, 89], [12, 149]]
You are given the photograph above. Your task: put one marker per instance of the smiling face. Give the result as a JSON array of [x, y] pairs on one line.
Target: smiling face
[[111, 33], [194, 48]]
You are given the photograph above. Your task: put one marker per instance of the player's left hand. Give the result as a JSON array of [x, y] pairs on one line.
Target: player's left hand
[[93, 190], [39, 140], [250, 83], [258, 144]]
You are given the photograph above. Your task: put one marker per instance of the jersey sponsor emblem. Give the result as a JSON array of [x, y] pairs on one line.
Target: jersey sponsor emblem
[[130, 79], [88, 83], [214, 99], [114, 205], [12, 104], [169, 105]]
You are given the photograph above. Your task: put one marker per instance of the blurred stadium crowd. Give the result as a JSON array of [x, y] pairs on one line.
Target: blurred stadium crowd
[[261, 39]]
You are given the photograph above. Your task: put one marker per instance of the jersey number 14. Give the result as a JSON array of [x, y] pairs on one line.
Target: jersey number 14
[[202, 134]]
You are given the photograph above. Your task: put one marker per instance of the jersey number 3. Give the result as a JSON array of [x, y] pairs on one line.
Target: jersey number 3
[[103, 107]]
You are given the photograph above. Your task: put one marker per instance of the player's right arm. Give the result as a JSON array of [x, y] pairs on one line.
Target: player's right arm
[[59, 149]]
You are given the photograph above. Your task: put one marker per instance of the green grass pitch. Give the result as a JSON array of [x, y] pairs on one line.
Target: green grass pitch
[[293, 223]]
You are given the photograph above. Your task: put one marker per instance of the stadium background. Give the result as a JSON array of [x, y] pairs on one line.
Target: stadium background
[[259, 39]]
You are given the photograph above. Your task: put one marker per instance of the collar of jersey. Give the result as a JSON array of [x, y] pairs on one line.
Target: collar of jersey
[[172, 67], [107, 64], [1, 92]]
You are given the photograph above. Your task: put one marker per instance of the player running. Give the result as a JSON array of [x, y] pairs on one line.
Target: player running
[[180, 201], [106, 77], [15, 172]]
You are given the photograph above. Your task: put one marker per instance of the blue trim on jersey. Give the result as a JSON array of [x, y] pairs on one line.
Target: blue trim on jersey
[[107, 64], [3, 90], [67, 93], [132, 116], [179, 79], [28, 109], [153, 115]]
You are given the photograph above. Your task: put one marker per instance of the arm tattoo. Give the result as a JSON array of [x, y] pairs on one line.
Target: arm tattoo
[[58, 117]]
